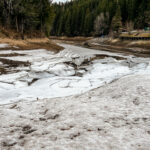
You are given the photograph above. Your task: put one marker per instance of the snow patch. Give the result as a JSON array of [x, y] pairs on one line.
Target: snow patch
[[4, 45]]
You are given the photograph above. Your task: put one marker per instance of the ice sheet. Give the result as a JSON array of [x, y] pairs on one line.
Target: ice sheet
[[70, 72]]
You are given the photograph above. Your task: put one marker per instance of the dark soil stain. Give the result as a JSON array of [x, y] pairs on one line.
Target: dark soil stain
[[13, 63], [11, 55], [10, 65]]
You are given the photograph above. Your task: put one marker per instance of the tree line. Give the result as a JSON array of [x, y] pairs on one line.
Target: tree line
[[26, 16], [74, 18], [100, 17]]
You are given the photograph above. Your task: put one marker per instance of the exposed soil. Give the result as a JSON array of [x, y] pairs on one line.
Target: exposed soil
[[7, 64], [13, 63], [137, 48], [102, 56], [2, 70], [11, 55], [71, 39]]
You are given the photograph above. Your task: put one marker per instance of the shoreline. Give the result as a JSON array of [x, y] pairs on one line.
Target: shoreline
[[30, 44], [137, 48]]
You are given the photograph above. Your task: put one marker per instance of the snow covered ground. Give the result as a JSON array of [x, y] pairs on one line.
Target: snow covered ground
[[4, 45], [73, 71], [113, 117], [99, 100]]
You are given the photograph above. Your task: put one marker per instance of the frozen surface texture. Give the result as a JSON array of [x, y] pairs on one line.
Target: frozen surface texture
[[38, 74], [107, 105], [113, 117]]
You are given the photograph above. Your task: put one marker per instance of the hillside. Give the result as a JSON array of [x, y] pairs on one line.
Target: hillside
[[100, 17], [74, 18]]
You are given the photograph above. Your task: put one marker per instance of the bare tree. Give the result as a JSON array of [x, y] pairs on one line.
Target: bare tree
[[129, 26], [101, 24]]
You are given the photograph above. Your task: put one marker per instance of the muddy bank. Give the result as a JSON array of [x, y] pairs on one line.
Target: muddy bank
[[10, 66], [136, 48], [69, 40]]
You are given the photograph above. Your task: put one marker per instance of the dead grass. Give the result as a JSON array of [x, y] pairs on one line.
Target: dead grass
[[135, 34], [145, 44], [70, 40], [127, 47], [140, 42], [29, 44]]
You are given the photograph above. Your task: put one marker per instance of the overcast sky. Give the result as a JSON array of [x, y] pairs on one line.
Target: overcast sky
[[60, 0]]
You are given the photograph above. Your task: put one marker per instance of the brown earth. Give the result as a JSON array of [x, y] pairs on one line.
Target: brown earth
[[75, 39], [136, 51], [137, 48], [7, 64]]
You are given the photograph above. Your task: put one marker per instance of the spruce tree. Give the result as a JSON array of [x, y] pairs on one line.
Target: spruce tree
[[117, 21]]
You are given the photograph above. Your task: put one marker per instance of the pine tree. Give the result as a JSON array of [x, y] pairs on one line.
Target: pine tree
[[147, 15], [26, 16], [117, 21]]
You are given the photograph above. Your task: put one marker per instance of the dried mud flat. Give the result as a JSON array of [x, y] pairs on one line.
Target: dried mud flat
[[113, 117]]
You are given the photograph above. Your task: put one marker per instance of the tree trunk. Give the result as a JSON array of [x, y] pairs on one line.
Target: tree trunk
[[17, 24], [22, 29]]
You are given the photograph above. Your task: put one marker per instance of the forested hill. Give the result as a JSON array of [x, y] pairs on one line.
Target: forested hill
[[26, 16], [100, 17], [74, 18]]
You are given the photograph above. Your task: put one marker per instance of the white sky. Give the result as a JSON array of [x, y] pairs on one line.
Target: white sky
[[60, 0]]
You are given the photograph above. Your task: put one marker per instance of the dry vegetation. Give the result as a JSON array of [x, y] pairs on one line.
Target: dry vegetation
[[138, 48], [144, 44], [136, 34], [27, 44], [29, 41], [70, 40]]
